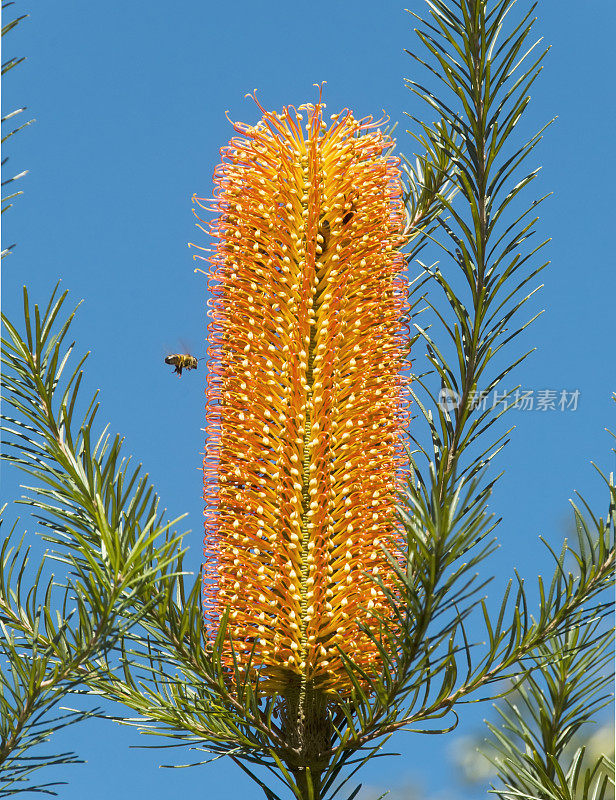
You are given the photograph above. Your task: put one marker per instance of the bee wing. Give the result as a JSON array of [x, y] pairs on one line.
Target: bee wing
[[186, 347]]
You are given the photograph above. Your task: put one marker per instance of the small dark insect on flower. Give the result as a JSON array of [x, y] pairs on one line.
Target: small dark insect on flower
[[349, 215], [181, 361]]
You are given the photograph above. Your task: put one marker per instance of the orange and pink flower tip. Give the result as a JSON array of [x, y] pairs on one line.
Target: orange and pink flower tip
[[307, 401]]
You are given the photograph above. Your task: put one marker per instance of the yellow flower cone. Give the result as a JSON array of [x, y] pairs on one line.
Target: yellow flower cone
[[306, 400]]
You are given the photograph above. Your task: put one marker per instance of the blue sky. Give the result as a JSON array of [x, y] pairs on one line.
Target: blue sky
[[130, 104]]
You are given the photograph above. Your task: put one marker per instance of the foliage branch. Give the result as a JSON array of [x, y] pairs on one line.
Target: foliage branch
[[532, 747], [103, 521], [9, 118], [541, 746]]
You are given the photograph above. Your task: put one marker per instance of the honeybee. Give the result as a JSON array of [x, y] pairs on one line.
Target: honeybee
[[182, 361]]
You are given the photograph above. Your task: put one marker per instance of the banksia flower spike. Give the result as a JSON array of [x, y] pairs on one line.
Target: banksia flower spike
[[306, 397]]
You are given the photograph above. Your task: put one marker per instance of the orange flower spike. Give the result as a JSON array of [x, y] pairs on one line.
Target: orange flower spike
[[306, 401]]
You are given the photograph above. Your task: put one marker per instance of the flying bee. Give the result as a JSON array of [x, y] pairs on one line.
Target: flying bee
[[182, 361]]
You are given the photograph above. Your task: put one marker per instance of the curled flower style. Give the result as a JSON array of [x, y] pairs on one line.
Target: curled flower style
[[307, 403]]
